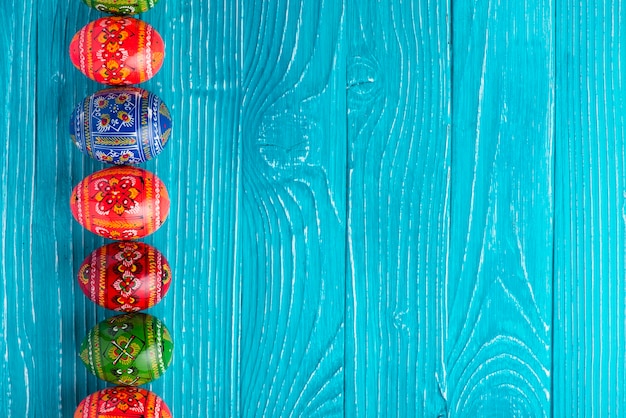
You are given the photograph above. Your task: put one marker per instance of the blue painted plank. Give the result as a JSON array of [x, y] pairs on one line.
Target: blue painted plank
[[398, 206], [16, 157], [499, 294], [292, 219], [589, 348]]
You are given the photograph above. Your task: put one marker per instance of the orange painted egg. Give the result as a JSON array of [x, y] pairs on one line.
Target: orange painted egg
[[122, 401], [117, 50], [125, 276], [120, 203]]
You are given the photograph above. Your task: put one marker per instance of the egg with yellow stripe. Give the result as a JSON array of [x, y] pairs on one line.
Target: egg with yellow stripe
[[121, 125]]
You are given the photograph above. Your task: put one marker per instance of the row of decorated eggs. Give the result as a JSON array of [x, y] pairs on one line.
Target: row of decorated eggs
[[124, 125], [121, 125]]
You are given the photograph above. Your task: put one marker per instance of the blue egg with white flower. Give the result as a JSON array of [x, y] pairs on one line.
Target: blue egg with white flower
[[122, 125]]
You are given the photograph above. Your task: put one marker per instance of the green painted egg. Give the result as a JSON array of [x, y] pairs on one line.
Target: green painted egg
[[130, 349], [121, 7]]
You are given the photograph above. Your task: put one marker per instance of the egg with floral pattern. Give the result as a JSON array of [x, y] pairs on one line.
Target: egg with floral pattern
[[122, 401], [121, 7], [120, 203], [130, 349], [117, 50], [125, 276], [121, 125]]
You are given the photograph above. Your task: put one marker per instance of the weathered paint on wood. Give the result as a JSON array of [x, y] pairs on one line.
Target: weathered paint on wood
[[292, 218], [398, 194], [380, 208], [589, 271], [499, 293]]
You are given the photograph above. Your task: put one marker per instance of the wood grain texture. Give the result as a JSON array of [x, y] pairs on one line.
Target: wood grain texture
[[293, 209], [589, 334], [499, 293], [398, 165], [18, 328], [200, 82], [399, 208], [60, 312]]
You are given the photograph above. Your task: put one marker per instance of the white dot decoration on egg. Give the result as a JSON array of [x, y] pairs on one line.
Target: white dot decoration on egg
[[122, 125]]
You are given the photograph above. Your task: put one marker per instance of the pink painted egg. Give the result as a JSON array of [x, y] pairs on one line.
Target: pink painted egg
[[117, 50], [120, 203], [122, 401], [125, 276]]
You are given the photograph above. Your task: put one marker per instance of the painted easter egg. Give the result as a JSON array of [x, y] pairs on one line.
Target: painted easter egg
[[120, 203], [130, 349], [122, 7], [125, 276], [117, 50], [122, 401], [122, 125]]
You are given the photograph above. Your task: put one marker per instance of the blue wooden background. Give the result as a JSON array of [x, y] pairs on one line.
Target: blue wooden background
[[379, 208]]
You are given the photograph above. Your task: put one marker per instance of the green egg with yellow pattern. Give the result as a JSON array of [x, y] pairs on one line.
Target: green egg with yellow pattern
[[122, 7], [131, 349]]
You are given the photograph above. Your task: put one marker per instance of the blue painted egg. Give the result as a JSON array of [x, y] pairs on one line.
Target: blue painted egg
[[122, 125]]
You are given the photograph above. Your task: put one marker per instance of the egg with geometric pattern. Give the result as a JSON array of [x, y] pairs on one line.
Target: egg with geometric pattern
[[121, 7], [122, 401], [125, 276], [121, 125], [130, 349], [117, 50]]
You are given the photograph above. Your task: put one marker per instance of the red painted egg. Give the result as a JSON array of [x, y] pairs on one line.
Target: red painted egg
[[117, 50], [122, 401], [120, 203], [125, 276]]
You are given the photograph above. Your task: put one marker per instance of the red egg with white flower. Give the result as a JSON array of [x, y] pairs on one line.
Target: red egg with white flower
[[117, 50], [120, 203], [125, 276]]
